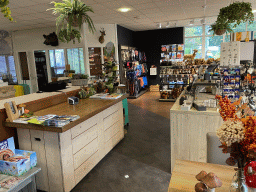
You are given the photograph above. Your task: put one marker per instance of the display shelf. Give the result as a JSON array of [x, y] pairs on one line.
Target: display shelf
[[135, 97]]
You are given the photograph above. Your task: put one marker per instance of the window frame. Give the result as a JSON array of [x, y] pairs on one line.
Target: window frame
[[7, 64]]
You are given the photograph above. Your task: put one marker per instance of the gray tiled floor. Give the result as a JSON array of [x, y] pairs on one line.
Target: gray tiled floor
[[144, 155]]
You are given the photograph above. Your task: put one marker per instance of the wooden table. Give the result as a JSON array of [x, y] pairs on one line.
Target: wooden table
[[183, 175], [26, 184]]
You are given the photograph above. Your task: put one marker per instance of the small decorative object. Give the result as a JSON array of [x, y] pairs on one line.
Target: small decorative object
[[209, 180], [237, 137], [103, 33], [236, 13], [22, 106], [51, 39], [73, 100], [73, 13], [82, 94], [6, 10], [250, 176], [189, 59]]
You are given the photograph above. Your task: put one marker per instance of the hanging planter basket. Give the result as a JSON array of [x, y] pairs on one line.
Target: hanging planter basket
[[75, 22], [220, 31]]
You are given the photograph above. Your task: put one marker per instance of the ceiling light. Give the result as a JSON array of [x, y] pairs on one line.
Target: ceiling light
[[168, 24], [124, 10], [191, 22], [254, 11], [159, 25]]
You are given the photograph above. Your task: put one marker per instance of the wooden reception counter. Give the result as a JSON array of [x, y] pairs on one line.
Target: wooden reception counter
[[188, 132], [67, 154]]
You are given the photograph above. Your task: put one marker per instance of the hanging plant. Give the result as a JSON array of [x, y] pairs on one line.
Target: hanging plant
[[236, 13], [6, 10], [73, 13], [66, 36]]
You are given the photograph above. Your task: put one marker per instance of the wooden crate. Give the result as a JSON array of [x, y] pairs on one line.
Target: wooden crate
[[154, 88]]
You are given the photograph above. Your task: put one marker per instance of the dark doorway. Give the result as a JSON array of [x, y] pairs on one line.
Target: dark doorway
[[41, 69]]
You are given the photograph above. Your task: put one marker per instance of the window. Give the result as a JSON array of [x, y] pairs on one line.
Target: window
[[193, 40], [7, 68], [57, 61], [208, 46], [76, 60]]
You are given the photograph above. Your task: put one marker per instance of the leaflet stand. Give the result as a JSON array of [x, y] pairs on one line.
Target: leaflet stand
[[12, 111]]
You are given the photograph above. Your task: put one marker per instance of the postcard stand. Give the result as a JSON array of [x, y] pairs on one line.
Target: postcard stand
[[12, 111]]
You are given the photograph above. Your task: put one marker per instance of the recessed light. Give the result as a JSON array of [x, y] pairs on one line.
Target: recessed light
[[124, 10], [254, 11]]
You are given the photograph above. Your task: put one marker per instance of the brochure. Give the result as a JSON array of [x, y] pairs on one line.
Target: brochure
[[112, 96]]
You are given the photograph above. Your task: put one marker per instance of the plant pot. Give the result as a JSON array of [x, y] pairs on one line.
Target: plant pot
[[74, 22], [79, 82], [220, 31]]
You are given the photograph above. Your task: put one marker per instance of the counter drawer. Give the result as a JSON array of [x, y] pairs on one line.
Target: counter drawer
[[85, 138], [111, 119], [86, 167], [113, 141], [81, 156], [110, 132], [111, 110], [82, 127]]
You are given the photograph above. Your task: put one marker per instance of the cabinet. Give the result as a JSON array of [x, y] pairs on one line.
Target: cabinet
[[65, 158]]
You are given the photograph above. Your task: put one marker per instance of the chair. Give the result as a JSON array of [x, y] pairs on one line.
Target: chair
[[214, 153]]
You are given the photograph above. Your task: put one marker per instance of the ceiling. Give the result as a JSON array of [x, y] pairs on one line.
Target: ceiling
[[144, 14]]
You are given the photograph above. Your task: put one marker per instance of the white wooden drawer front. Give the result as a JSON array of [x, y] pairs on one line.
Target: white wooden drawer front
[[83, 139], [82, 127], [110, 132], [81, 156], [111, 110], [112, 119], [113, 141], [86, 167]]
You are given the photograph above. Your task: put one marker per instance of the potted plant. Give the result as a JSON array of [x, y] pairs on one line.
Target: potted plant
[[110, 70], [235, 13], [6, 10], [73, 13], [79, 80]]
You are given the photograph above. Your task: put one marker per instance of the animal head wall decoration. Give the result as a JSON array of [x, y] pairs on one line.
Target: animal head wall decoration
[[51, 39], [103, 33]]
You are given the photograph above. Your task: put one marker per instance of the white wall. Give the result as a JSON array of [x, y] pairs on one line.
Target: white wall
[[32, 40]]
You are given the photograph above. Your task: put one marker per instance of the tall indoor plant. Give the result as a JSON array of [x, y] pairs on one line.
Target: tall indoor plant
[[73, 13], [235, 13]]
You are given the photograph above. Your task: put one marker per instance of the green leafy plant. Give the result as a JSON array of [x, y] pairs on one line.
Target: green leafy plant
[[80, 76], [73, 13], [236, 13], [66, 36], [6, 10]]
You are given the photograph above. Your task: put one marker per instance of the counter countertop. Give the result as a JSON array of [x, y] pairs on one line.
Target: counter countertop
[[36, 96], [85, 109], [176, 108]]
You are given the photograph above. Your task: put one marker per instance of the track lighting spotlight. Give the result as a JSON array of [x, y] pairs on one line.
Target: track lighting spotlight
[[159, 25], [191, 22]]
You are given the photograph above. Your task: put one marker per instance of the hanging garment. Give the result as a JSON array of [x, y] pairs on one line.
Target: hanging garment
[[144, 57], [141, 81], [140, 56], [145, 80]]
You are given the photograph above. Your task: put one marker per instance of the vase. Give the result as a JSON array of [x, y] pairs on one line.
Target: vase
[[242, 187]]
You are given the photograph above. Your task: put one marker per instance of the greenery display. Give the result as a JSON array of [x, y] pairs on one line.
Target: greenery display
[[110, 69], [80, 76], [236, 13], [6, 10], [73, 13]]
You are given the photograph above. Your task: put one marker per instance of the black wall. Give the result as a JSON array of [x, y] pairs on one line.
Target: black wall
[[125, 36], [150, 42]]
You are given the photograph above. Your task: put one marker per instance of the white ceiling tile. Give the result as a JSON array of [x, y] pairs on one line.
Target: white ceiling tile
[[17, 3], [117, 4], [149, 11], [165, 3], [98, 6], [89, 2], [136, 2], [190, 13], [145, 6]]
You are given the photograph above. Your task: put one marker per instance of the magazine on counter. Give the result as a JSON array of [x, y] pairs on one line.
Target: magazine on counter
[[41, 119], [60, 121], [113, 96]]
